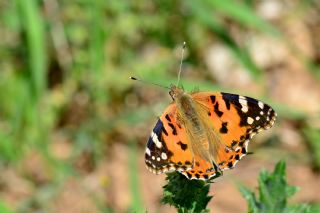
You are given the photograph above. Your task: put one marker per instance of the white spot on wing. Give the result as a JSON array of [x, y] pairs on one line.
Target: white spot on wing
[[163, 156], [172, 168], [250, 120], [269, 111], [257, 118], [261, 105], [148, 151], [158, 159], [244, 104], [156, 140]]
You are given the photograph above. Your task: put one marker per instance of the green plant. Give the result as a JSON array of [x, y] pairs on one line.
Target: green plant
[[192, 195], [312, 135], [273, 193], [186, 195]]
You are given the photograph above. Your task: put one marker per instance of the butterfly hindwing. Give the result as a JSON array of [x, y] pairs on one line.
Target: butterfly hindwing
[[202, 170]]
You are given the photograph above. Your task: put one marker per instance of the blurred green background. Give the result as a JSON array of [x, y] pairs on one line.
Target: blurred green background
[[73, 126]]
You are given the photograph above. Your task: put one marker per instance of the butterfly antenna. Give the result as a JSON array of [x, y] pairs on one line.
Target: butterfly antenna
[[180, 68], [146, 82]]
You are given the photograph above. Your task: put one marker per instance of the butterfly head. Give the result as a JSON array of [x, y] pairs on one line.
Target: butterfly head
[[175, 92]]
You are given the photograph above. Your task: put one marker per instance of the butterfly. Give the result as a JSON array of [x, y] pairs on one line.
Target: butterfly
[[203, 133]]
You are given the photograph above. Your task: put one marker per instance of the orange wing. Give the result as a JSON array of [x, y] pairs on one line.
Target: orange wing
[[235, 120], [168, 147]]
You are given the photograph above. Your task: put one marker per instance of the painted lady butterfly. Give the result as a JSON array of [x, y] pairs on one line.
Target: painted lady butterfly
[[200, 134]]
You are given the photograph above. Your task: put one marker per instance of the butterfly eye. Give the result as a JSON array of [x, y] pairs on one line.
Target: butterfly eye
[[171, 93], [175, 92]]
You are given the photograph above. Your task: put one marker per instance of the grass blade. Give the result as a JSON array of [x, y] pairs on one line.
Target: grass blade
[[208, 18], [243, 14], [33, 27], [137, 204]]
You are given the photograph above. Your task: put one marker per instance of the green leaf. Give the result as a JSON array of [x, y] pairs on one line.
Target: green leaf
[[300, 208], [273, 193], [251, 199], [186, 195]]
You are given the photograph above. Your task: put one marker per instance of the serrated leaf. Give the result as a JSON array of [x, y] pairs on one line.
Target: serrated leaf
[[186, 195], [291, 190], [251, 199], [273, 193], [299, 208]]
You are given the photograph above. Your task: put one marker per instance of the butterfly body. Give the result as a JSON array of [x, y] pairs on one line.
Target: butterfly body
[[200, 134], [189, 116]]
